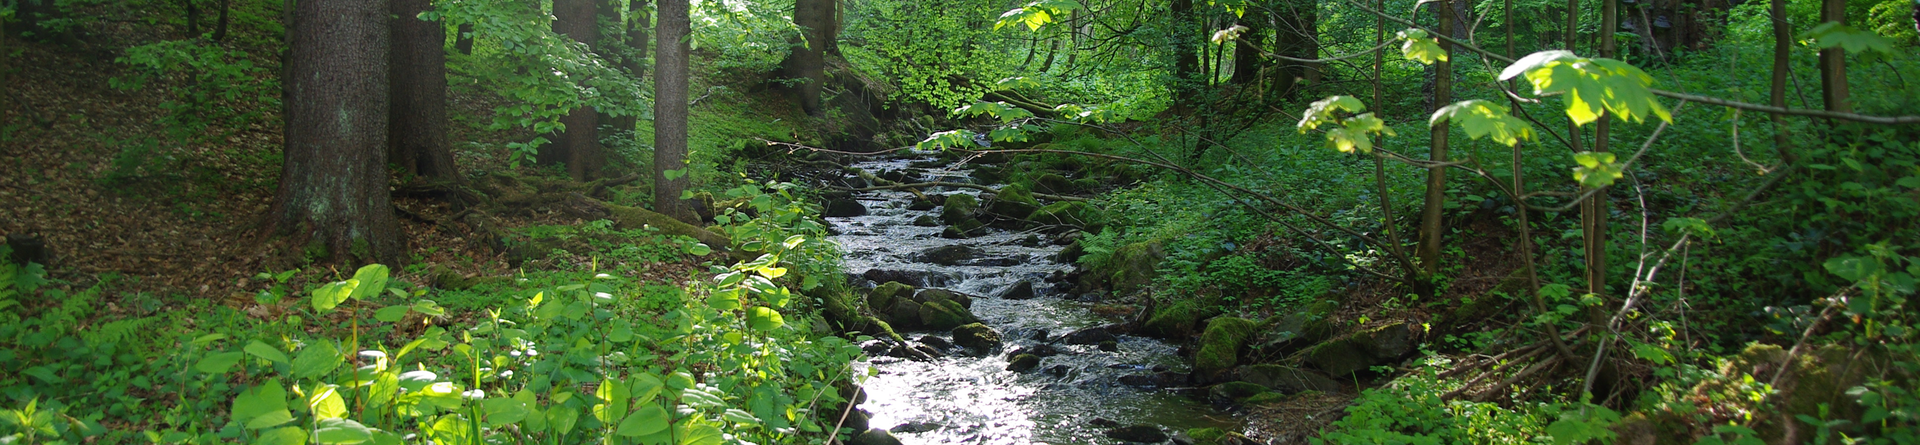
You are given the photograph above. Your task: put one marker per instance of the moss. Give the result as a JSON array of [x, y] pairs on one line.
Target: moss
[[1052, 183], [883, 296], [960, 207], [1220, 344], [944, 315], [634, 217], [1207, 436], [1072, 214], [1173, 321], [1013, 201], [1233, 392], [1133, 266], [1265, 398]]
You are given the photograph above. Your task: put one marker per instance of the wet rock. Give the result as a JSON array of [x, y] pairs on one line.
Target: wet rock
[[948, 255], [1110, 346], [1231, 392], [1057, 370], [1162, 379], [914, 278], [1053, 184], [927, 295], [921, 205], [1031, 241], [841, 208], [858, 419], [1287, 379], [1020, 290], [1068, 216], [1220, 344], [1043, 350], [905, 314], [1102, 422], [960, 207], [928, 351], [976, 336], [926, 221], [883, 297], [1089, 336], [1339, 357], [1138, 433], [875, 348], [1175, 321], [936, 342], [874, 436], [1070, 254], [996, 262], [1023, 363], [1292, 333], [1011, 203], [944, 315], [1129, 269], [1388, 343], [963, 230], [1040, 335], [915, 427]]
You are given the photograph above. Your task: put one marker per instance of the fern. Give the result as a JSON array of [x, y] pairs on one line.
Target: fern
[[114, 332]]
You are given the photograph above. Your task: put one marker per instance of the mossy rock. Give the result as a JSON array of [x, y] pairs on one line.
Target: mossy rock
[[1339, 357], [904, 313], [944, 315], [960, 207], [1133, 266], [1287, 379], [1023, 363], [963, 230], [882, 297], [1174, 321], [1265, 398], [929, 295], [1013, 201], [1232, 392], [1289, 333], [1071, 214], [976, 336], [926, 221], [1086, 184], [1220, 344], [1053, 184], [921, 205], [1071, 254]]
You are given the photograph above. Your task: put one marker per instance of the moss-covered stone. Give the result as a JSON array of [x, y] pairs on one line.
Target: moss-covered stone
[[944, 315], [960, 207], [1287, 379], [976, 336], [1220, 344], [882, 297], [1023, 363], [1339, 357], [1265, 398], [927, 295], [1073, 214], [1133, 266], [1232, 392], [1174, 321], [926, 221], [1054, 184], [1013, 201]]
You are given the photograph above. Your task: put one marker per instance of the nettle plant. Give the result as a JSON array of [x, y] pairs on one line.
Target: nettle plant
[[572, 363]]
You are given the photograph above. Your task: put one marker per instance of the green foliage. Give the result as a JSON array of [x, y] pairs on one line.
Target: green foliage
[[1597, 169], [1854, 40], [1409, 411], [1354, 132], [1419, 47], [1036, 14], [1589, 85], [1483, 119], [945, 59]]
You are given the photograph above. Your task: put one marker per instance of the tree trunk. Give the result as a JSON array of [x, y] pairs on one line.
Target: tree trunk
[[1295, 35], [220, 25], [417, 124], [1431, 229], [1246, 50], [1833, 61], [1186, 57], [670, 110], [463, 40], [1594, 212], [193, 19], [635, 61], [1777, 89], [808, 62], [577, 144], [333, 182]]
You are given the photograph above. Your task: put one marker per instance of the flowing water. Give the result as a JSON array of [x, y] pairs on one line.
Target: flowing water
[[975, 400]]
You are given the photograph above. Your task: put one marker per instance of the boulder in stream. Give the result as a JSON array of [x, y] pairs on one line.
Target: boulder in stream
[[1221, 343], [1232, 392], [926, 221], [1018, 291], [960, 207], [841, 208], [927, 295], [1023, 363], [884, 295], [1061, 217], [1138, 433], [948, 255], [1288, 379], [1089, 336], [874, 436], [944, 315], [921, 205], [976, 336]]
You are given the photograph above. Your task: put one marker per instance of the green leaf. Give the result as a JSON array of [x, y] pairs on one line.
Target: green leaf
[[1852, 268], [1419, 47], [316, 359], [266, 352], [372, 279], [765, 318], [647, 420], [622, 333], [947, 139], [725, 300], [1591, 85], [695, 397], [341, 431], [292, 435], [614, 393], [429, 308], [562, 418], [1652, 353], [258, 401], [391, 314], [698, 249], [1688, 226], [699, 434], [326, 403], [1328, 110], [269, 419], [644, 387], [1853, 40], [327, 297], [503, 411], [1481, 118], [1596, 169], [219, 362]]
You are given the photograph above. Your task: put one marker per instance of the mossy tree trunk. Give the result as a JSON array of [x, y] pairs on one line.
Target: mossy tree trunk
[[670, 110], [333, 182]]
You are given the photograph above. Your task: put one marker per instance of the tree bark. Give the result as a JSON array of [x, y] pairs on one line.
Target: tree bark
[[1833, 61], [670, 85], [807, 62], [220, 25], [417, 124], [193, 19], [578, 144], [1777, 88], [333, 183], [1246, 50], [635, 61], [1186, 57], [1594, 212], [1431, 228], [463, 39], [1295, 35]]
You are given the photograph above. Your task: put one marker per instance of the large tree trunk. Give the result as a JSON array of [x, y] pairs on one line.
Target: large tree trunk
[[578, 144], [1186, 55], [1431, 229], [1296, 35], [1594, 212], [220, 26], [1833, 61], [417, 124], [670, 110], [333, 183], [1246, 49], [1777, 88], [808, 61], [193, 19], [635, 60]]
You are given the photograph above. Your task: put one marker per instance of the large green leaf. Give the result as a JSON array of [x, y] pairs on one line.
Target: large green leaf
[[502, 411], [292, 435], [765, 318], [253, 403], [645, 421], [219, 362], [372, 280], [1597, 169], [700, 433], [1420, 47], [266, 352], [316, 359], [1590, 85], [644, 387], [613, 392], [1328, 110], [327, 297], [326, 403], [341, 431], [1854, 40], [1481, 118], [1852, 268]]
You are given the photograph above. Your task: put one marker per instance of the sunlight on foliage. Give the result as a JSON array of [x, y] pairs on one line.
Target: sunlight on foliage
[[1590, 84], [1482, 118], [1419, 47], [947, 139], [1036, 14], [1229, 34], [1001, 110], [1597, 169], [1354, 133], [1854, 40]]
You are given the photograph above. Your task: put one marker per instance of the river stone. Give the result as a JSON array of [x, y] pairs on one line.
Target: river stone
[[1043, 350], [1293, 332], [1389, 342], [1339, 357], [1287, 379], [904, 315], [936, 342], [1023, 363], [1159, 379], [921, 205], [1057, 370], [927, 295], [1089, 336], [858, 419], [1069, 215], [909, 277], [1129, 269], [1138, 433], [959, 207], [874, 436], [841, 208], [1018, 291], [1174, 321], [1221, 343], [926, 221], [875, 348], [1071, 253], [1110, 346], [976, 336], [1053, 184], [948, 255], [944, 315], [883, 297], [1231, 392], [915, 427]]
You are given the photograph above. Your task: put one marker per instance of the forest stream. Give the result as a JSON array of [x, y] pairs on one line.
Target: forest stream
[[1069, 398]]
